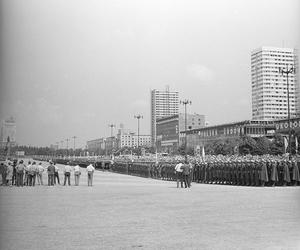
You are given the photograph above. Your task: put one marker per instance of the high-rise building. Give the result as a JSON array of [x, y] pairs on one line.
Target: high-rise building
[[8, 132], [163, 103], [269, 86]]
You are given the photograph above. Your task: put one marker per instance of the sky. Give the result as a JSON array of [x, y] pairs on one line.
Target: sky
[[72, 67]]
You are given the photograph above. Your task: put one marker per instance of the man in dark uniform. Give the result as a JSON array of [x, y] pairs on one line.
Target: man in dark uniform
[[186, 173]]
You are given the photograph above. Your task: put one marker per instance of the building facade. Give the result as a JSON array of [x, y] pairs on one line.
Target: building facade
[[169, 128], [8, 132], [96, 146], [269, 86], [200, 137], [163, 104]]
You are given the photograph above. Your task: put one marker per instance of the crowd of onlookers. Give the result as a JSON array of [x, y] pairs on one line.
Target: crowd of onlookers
[[20, 174]]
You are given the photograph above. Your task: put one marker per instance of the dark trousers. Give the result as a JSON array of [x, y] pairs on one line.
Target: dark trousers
[[20, 181], [31, 178], [67, 176], [187, 181], [56, 176], [50, 179], [179, 178]]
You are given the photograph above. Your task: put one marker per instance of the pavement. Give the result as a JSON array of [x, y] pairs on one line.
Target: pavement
[[128, 212]]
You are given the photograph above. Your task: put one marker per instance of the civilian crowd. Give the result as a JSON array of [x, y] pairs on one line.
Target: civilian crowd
[[19, 173]]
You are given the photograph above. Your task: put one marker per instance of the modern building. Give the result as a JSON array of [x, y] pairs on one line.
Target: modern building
[[8, 132], [126, 138], [168, 130], [163, 104], [200, 137], [269, 86]]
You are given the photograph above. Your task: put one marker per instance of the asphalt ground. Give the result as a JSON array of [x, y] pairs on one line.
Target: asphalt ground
[[127, 212]]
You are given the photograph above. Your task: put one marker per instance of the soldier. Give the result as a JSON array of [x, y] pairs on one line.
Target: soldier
[[296, 176], [263, 173], [286, 173], [274, 173], [186, 173]]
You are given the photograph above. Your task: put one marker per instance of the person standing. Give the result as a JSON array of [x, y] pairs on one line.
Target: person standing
[[40, 170], [77, 174], [67, 172], [179, 178], [9, 173], [56, 175], [186, 173], [51, 170], [20, 173], [90, 172], [3, 173], [14, 178]]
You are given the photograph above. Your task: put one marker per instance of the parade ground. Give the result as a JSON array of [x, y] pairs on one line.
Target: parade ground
[[128, 212]]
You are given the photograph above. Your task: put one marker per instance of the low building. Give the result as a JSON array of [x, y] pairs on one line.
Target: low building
[[96, 146], [168, 130], [200, 137]]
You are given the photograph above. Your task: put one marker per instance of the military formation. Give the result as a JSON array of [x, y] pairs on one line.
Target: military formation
[[249, 170]]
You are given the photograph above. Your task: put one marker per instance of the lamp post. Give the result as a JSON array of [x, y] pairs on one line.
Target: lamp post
[[185, 102], [288, 71], [138, 117]]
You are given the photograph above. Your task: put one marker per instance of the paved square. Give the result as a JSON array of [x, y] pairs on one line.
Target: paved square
[[127, 212]]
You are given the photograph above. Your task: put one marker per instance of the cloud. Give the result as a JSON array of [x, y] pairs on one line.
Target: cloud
[[200, 72], [48, 113]]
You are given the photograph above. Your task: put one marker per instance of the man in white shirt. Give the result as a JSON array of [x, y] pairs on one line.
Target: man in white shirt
[[179, 175], [77, 174], [90, 171], [40, 170], [67, 172]]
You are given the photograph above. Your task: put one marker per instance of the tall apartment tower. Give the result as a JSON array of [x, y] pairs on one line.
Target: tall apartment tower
[[163, 103], [269, 86]]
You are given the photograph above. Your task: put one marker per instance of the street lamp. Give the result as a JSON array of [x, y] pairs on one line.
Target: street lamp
[[138, 117], [288, 71], [185, 102]]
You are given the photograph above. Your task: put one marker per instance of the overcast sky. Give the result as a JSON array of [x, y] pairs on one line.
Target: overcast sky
[[71, 67]]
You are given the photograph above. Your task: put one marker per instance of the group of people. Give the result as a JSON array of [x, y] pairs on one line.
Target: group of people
[[20, 174], [184, 174]]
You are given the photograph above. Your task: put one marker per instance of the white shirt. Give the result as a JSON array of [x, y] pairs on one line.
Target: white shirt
[[178, 168], [40, 168], [68, 169], [90, 168], [77, 168]]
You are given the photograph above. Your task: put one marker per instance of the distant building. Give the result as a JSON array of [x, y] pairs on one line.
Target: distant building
[[163, 104], [96, 146], [169, 128], [126, 138], [269, 86], [200, 137], [8, 132], [54, 146]]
